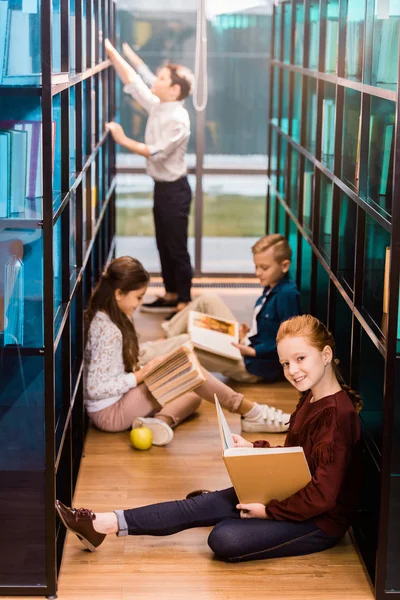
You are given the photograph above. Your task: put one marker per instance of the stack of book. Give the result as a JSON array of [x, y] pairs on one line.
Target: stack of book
[[178, 374], [21, 166]]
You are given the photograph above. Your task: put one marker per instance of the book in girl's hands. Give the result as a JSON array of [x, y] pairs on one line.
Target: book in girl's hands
[[179, 373], [262, 474], [214, 334]]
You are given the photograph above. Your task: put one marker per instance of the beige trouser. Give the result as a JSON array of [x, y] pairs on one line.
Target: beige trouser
[[212, 305], [139, 402]]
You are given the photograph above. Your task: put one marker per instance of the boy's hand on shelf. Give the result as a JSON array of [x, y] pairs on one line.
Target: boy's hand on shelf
[[111, 51], [255, 510], [245, 350], [131, 55], [117, 132], [240, 442]]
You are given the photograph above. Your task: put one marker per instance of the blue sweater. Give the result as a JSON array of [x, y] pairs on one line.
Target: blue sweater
[[282, 302]]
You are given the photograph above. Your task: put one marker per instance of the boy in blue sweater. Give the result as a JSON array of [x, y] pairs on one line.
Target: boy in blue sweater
[[279, 301]]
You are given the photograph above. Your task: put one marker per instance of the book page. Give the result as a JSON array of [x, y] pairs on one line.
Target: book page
[[225, 432], [214, 334]]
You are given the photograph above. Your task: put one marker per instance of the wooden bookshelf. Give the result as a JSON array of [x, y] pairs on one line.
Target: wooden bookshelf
[[57, 228], [333, 181]]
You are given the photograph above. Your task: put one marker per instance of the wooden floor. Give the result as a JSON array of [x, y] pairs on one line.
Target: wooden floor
[[182, 567]]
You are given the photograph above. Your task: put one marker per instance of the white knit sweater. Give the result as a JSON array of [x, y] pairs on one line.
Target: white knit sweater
[[105, 378]]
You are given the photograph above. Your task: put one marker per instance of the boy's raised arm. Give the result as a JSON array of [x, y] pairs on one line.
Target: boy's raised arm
[[139, 65], [133, 83]]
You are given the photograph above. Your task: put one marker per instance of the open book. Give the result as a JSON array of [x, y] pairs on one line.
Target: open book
[[214, 334], [262, 474], [179, 373]]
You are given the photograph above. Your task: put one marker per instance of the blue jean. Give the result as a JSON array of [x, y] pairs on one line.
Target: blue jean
[[232, 539]]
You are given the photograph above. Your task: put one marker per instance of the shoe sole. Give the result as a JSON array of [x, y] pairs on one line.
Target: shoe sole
[[161, 436], [82, 539]]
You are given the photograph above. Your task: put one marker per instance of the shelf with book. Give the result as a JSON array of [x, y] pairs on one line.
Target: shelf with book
[[287, 37], [383, 69], [47, 266], [298, 7], [314, 23], [341, 171], [376, 176], [355, 19], [328, 125], [325, 217]]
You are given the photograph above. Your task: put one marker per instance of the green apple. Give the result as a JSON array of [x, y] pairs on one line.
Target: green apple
[[141, 438]]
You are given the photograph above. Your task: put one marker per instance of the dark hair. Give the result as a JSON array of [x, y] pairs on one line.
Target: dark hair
[[282, 250], [126, 274], [183, 77], [318, 335]]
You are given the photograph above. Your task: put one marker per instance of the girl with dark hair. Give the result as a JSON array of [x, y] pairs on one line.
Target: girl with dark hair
[[115, 396], [325, 423]]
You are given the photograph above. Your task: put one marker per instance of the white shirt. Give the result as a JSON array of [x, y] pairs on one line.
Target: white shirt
[[166, 135], [105, 378]]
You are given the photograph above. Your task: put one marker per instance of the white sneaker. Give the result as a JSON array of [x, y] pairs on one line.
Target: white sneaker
[[270, 420], [162, 432]]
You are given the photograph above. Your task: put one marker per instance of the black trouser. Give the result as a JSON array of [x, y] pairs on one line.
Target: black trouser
[[171, 217], [233, 538]]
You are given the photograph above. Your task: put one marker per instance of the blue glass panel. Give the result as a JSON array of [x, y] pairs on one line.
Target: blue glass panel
[[58, 380], [314, 35], [84, 34], [325, 217], [277, 40], [308, 194], [57, 144], [281, 219], [311, 123], [377, 240], [21, 187], [272, 211], [56, 36], [305, 283], [297, 108], [22, 464], [293, 234], [20, 52], [332, 29], [299, 34], [343, 335], [372, 366], [385, 39], [354, 39], [321, 309], [294, 182], [350, 164], [285, 102], [72, 236], [275, 97], [328, 126], [282, 167], [347, 228], [101, 177], [84, 120], [274, 157], [57, 265], [72, 133], [72, 64], [380, 155], [21, 287], [287, 36]]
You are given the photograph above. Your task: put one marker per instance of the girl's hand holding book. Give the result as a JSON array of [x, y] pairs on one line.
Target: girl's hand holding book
[[144, 371], [252, 511]]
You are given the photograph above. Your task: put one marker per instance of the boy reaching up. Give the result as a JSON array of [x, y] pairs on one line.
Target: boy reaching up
[[165, 142]]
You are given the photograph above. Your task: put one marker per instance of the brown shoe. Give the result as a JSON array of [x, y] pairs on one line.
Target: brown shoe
[[79, 521]]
